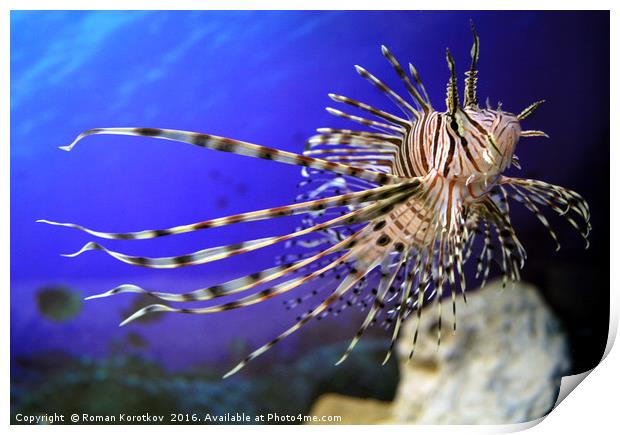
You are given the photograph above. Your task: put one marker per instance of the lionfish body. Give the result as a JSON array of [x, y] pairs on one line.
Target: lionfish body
[[390, 215]]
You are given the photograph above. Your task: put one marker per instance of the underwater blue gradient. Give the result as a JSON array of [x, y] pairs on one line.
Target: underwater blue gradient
[[261, 77]]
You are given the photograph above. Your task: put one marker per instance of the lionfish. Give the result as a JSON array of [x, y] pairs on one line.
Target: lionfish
[[397, 208]]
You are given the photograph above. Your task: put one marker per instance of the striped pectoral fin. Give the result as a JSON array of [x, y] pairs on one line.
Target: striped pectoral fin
[[524, 199], [510, 245], [354, 198], [385, 283], [460, 250], [473, 231], [376, 160], [219, 290], [423, 284], [363, 214], [505, 266], [405, 292], [485, 253], [451, 274], [194, 258], [439, 282], [325, 281], [511, 248], [243, 302], [239, 284], [354, 276], [217, 253], [559, 199], [239, 147]]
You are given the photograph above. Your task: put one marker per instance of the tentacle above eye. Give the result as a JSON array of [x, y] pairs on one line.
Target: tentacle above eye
[[471, 98], [242, 148]]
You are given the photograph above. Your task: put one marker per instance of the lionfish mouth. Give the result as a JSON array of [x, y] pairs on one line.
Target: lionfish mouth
[[390, 215]]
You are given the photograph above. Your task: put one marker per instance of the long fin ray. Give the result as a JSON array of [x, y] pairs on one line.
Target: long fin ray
[[376, 112], [243, 302], [239, 147], [354, 198], [386, 281], [403, 307], [407, 109], [348, 282], [404, 78], [217, 253], [236, 285]]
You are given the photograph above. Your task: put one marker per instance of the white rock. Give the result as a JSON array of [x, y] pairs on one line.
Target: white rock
[[503, 365]]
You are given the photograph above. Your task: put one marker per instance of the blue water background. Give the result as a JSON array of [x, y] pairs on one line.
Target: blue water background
[[261, 77]]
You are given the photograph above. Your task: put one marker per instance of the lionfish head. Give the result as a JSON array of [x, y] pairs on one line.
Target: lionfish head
[[497, 132], [493, 130]]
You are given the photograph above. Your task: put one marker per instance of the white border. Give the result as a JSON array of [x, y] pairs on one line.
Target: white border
[[592, 407], [309, 5]]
